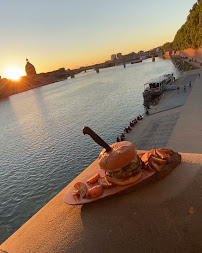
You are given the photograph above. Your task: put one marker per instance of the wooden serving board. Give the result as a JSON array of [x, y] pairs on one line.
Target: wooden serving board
[[147, 177], [69, 199]]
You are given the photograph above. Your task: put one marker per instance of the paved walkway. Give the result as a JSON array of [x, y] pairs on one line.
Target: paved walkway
[[172, 99], [194, 62], [187, 134]]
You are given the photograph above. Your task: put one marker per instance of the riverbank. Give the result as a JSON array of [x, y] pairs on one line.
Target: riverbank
[[157, 128], [25, 83], [162, 217], [182, 64]]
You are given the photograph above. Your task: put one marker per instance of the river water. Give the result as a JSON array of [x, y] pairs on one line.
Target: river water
[[42, 145]]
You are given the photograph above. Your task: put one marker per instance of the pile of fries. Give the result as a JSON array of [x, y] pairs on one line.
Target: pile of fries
[[156, 159]]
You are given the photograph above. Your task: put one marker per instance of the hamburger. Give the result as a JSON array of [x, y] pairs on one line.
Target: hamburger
[[122, 164]]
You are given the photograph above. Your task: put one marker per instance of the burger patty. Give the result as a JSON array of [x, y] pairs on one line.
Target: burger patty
[[132, 169]]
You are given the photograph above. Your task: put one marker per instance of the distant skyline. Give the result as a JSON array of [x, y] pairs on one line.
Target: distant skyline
[[54, 34]]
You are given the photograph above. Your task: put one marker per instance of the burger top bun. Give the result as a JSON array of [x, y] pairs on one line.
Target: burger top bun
[[122, 154]]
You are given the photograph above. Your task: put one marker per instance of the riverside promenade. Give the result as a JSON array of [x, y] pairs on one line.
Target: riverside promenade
[[162, 127], [161, 217]]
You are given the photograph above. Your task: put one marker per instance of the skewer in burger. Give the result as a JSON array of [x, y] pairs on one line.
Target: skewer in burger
[[122, 164]]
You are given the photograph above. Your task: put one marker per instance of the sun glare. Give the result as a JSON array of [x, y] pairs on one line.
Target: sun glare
[[14, 73]]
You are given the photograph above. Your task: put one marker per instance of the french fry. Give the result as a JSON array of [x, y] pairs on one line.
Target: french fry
[[155, 154], [141, 154], [149, 167], [152, 151], [161, 154], [94, 178], [167, 151], [158, 160], [154, 165], [146, 157]]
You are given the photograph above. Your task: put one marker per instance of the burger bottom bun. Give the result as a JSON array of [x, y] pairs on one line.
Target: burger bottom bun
[[125, 181]]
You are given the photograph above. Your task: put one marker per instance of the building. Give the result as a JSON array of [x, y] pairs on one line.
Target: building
[[119, 56], [30, 69], [113, 57]]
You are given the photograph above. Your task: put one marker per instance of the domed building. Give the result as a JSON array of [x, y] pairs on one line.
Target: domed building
[[29, 68]]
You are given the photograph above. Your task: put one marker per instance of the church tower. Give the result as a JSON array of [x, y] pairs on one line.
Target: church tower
[[29, 68]]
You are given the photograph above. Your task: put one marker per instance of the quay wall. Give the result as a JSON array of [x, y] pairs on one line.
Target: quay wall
[[196, 54]]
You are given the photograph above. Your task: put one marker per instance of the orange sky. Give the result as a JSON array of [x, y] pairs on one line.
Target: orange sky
[[76, 33]]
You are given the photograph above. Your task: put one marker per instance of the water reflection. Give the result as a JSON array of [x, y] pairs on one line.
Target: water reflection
[[29, 118]]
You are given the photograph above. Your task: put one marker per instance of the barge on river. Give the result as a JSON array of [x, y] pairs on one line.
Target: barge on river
[[155, 88]]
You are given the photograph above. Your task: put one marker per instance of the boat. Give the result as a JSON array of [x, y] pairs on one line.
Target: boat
[[155, 88], [136, 61]]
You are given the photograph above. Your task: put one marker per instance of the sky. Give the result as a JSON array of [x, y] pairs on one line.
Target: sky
[[72, 33]]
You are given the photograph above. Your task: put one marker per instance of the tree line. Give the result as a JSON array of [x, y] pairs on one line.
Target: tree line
[[190, 34]]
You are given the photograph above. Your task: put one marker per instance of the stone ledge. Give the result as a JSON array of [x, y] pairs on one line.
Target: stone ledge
[[58, 227]]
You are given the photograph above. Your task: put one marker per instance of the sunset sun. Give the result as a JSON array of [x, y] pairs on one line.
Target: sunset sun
[[14, 73]]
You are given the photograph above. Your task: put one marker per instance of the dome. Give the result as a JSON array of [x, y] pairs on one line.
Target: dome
[[29, 68]]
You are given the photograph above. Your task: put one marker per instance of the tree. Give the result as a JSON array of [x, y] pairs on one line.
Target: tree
[[190, 34], [167, 46]]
